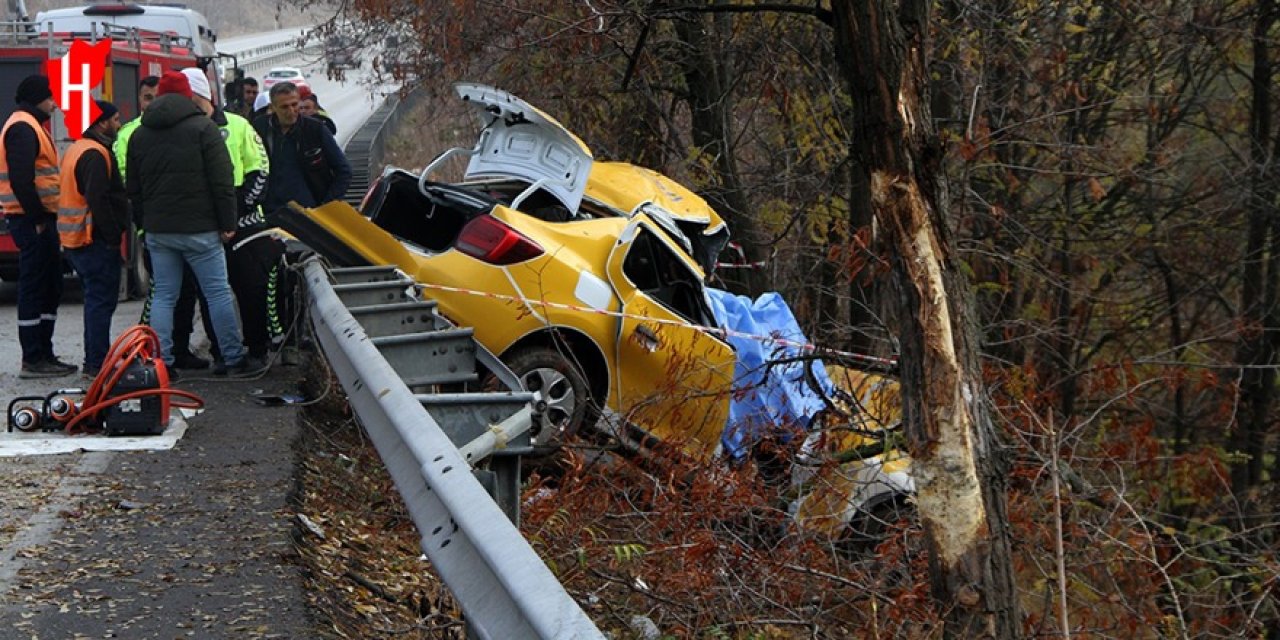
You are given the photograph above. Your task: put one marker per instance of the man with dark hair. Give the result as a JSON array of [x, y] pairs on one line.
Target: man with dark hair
[[249, 94], [307, 165], [93, 216], [309, 107], [180, 181], [242, 105], [146, 93], [29, 199]]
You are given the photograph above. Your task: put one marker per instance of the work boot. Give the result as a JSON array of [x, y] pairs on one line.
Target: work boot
[[71, 368], [46, 369], [247, 366], [189, 361]]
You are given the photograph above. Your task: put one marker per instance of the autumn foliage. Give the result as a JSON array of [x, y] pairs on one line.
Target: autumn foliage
[[1110, 167]]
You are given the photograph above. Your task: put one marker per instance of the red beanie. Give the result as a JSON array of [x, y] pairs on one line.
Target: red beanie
[[173, 82]]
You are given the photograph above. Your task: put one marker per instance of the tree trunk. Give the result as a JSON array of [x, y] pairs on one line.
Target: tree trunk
[[711, 110], [863, 317], [1256, 352], [957, 465]]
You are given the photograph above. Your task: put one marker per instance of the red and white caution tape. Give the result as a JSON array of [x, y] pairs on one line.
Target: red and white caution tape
[[716, 331]]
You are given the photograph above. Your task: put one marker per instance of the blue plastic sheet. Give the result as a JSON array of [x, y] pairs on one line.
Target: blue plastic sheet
[[767, 400]]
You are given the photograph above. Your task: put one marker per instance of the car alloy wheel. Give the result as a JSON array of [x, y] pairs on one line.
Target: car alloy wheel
[[563, 388]]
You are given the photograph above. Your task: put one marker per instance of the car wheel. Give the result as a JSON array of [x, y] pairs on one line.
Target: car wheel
[[564, 392], [890, 538]]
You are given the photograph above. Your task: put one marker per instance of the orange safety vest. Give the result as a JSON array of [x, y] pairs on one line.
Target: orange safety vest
[[75, 221], [46, 168]]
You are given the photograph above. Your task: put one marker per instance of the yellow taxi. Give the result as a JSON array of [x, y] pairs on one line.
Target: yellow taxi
[[587, 279], [583, 276]]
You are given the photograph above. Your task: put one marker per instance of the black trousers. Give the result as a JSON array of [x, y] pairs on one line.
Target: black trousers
[[255, 269], [39, 283]]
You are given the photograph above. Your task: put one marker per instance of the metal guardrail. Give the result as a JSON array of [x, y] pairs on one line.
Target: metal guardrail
[[364, 149], [380, 341], [267, 54]]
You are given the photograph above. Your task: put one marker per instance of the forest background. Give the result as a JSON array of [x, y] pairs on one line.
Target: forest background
[[1103, 181]]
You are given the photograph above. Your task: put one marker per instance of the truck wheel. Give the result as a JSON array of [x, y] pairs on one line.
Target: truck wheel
[[137, 277], [564, 391]]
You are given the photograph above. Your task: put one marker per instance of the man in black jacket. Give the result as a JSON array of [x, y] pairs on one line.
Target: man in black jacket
[[93, 216], [29, 198], [180, 181], [307, 165]]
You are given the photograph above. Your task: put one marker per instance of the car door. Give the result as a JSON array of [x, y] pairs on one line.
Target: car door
[[674, 375]]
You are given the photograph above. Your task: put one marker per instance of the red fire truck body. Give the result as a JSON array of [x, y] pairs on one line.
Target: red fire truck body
[[135, 54]]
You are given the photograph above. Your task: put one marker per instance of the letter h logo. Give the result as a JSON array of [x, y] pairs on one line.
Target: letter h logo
[[72, 79]]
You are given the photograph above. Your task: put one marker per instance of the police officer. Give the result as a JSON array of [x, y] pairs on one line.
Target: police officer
[[253, 259], [29, 199], [146, 93]]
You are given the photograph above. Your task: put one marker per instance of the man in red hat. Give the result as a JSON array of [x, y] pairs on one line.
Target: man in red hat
[[180, 182]]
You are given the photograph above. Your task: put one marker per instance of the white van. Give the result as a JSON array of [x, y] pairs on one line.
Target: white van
[[183, 24]]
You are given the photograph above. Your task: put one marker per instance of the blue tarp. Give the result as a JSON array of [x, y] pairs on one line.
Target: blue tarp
[[766, 399]]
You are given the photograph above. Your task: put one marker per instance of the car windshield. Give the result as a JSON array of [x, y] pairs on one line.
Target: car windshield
[[283, 74]]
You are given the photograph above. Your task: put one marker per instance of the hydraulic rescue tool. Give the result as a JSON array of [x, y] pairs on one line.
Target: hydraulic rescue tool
[[130, 395]]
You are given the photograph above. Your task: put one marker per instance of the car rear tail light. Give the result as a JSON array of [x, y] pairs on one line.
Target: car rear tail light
[[488, 239]]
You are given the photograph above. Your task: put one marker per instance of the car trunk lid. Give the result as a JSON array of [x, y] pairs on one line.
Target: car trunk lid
[[520, 141]]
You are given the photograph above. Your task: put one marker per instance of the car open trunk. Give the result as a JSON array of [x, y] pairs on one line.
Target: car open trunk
[[395, 212], [429, 221]]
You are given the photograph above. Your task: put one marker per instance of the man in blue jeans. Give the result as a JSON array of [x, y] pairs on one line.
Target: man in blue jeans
[[180, 182], [93, 216]]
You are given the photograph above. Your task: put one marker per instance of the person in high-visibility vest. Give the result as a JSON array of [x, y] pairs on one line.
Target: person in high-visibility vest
[[147, 88], [93, 216], [29, 199], [253, 261]]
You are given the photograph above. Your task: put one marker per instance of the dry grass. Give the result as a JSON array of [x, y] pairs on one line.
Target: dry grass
[[693, 551]]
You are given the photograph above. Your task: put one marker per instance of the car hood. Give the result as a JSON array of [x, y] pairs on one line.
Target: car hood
[[627, 187], [520, 141]]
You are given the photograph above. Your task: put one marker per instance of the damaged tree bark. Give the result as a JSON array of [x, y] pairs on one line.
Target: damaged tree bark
[[960, 479]]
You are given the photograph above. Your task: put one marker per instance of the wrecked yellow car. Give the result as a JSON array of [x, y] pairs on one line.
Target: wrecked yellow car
[[586, 278], [598, 307]]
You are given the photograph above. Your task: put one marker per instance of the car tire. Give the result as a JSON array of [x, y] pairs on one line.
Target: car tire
[[895, 521], [565, 393], [137, 278]]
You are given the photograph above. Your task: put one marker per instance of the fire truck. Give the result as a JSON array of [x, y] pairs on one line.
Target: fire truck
[[182, 38]]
